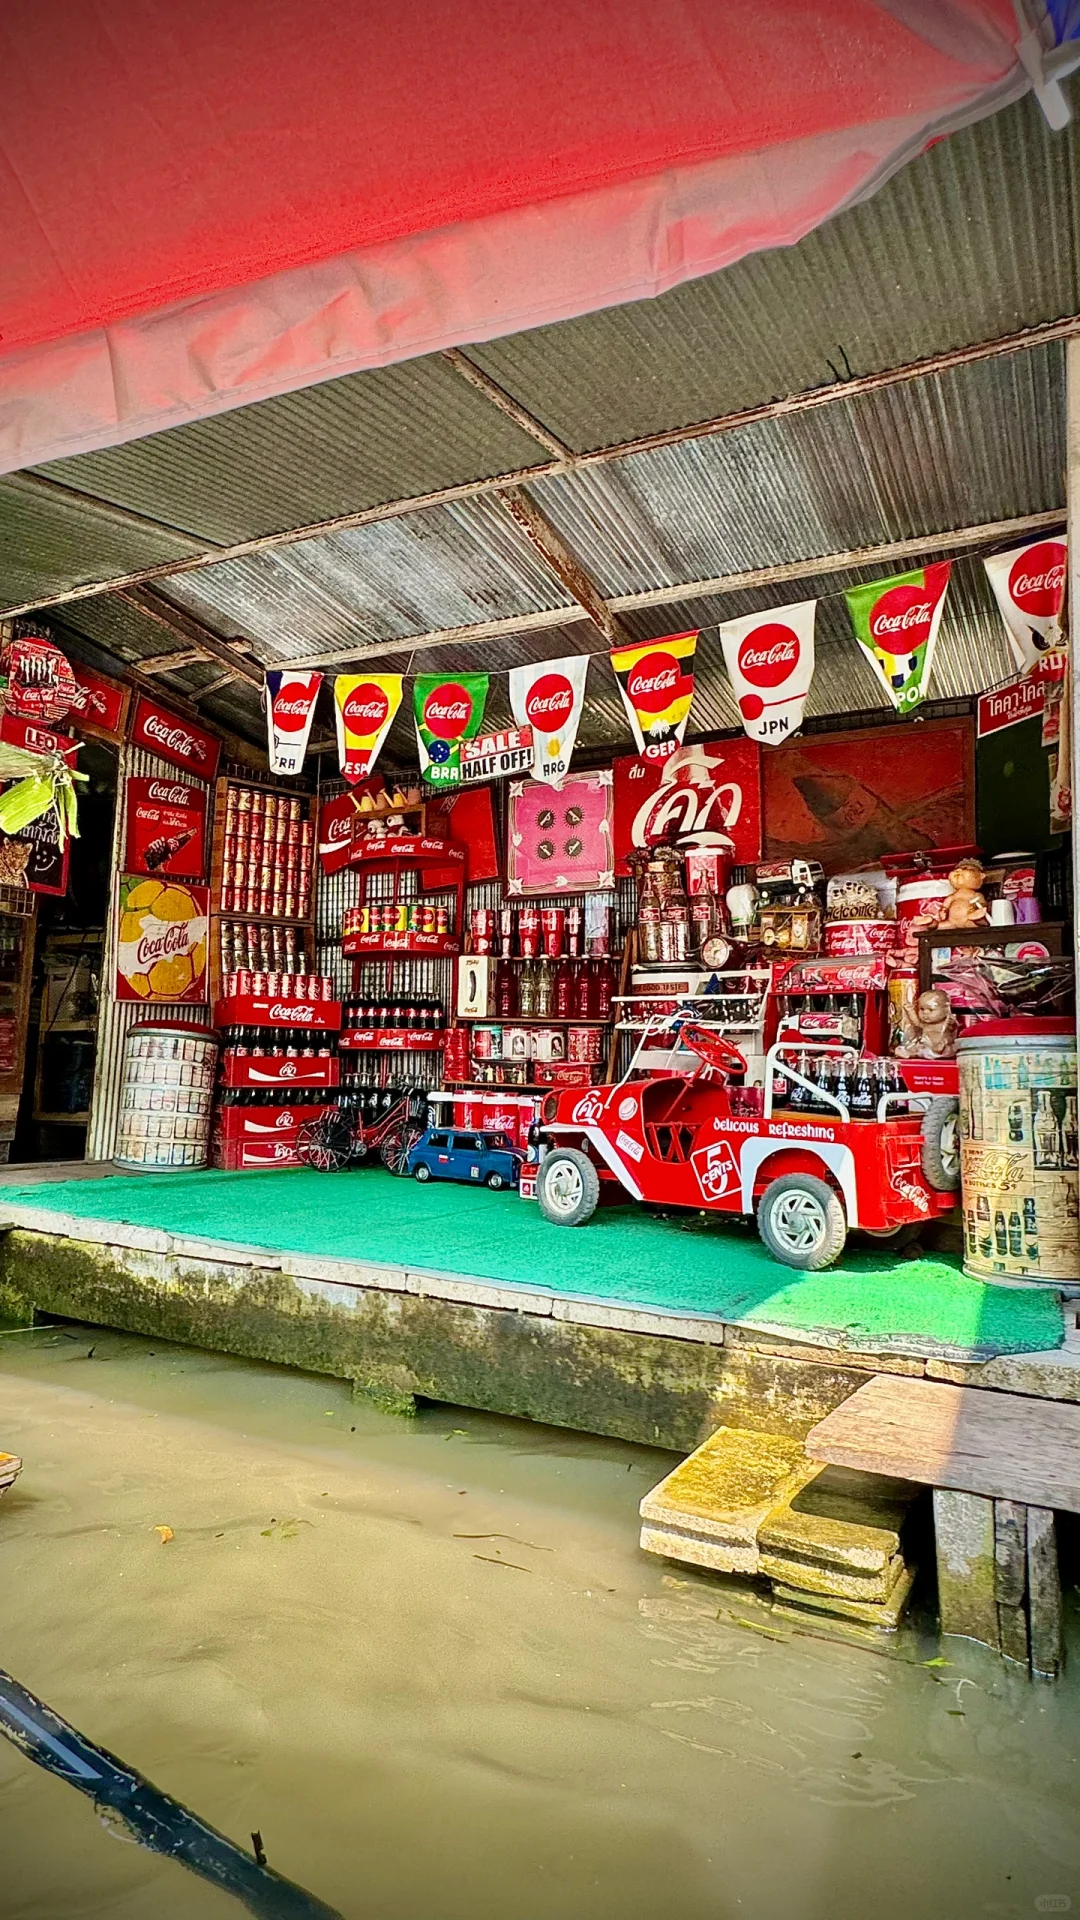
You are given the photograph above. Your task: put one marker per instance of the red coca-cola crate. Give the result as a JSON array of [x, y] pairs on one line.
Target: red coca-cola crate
[[263, 1070], [391, 1039], [233, 1155], [263, 1123], [250, 1010]]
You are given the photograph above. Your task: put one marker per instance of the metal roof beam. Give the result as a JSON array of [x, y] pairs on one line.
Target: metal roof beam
[[805, 402], [195, 637], [958, 541], [546, 541], [505, 402]]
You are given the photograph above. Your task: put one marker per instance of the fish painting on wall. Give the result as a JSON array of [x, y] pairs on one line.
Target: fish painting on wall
[[847, 798]]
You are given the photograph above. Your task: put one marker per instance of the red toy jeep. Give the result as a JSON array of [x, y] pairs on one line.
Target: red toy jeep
[[680, 1141]]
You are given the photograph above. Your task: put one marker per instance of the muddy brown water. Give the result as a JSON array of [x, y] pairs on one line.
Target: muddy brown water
[[427, 1661]]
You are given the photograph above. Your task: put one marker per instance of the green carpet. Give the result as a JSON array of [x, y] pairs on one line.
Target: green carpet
[[624, 1254]]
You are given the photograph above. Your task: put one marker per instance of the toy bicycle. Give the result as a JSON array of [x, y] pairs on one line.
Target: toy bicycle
[[338, 1140]]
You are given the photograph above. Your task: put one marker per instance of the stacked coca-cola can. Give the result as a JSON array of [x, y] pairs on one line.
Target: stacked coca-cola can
[[269, 844], [277, 986], [259, 946]]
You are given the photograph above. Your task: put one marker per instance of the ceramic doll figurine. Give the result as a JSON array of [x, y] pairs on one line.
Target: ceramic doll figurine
[[966, 905]]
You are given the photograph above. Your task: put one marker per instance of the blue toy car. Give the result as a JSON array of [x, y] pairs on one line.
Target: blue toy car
[[486, 1159]]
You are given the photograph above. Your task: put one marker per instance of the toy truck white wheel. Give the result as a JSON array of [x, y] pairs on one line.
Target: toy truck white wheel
[[941, 1144], [802, 1222], [567, 1187]]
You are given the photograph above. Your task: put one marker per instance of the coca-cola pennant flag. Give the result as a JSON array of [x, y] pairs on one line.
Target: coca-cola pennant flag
[[1029, 586], [896, 623], [548, 696], [656, 681], [289, 699], [446, 711], [770, 658], [364, 709]]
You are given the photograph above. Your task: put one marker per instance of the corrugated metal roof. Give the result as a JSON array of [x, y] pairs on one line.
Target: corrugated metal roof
[[976, 444], [44, 540], [978, 237], [331, 449], [448, 566]]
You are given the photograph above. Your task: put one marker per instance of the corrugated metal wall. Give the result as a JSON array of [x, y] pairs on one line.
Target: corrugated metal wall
[[119, 1016]]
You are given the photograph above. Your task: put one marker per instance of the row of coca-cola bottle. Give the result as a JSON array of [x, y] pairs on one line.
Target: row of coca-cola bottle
[[425, 1016], [857, 1082], [276, 1043], [547, 989]]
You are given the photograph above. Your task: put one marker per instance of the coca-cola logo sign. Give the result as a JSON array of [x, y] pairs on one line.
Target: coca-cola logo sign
[[175, 739], [175, 796], [903, 614], [447, 711], [550, 703], [291, 712], [769, 655], [654, 683], [163, 942], [366, 709], [1037, 579], [292, 1016]]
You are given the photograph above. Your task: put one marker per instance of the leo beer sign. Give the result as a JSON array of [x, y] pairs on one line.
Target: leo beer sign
[[172, 738]]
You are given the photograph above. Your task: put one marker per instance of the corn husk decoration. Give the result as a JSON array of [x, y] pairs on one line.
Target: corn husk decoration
[[42, 781]]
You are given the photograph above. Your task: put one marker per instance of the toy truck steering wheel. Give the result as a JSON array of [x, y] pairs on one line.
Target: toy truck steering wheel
[[713, 1049]]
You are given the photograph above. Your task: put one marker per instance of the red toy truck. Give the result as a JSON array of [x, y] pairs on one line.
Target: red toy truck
[[680, 1140]]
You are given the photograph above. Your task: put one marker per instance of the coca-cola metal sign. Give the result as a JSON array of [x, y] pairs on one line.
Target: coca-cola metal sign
[[165, 827], [1029, 586], [337, 824], [161, 940], [100, 706], [770, 659], [704, 796], [174, 738], [547, 697]]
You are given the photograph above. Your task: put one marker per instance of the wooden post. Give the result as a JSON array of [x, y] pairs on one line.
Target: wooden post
[[1010, 1554], [1044, 1592], [966, 1566], [1072, 496]]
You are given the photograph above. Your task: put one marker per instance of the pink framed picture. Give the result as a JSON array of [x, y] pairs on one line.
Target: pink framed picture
[[561, 841]]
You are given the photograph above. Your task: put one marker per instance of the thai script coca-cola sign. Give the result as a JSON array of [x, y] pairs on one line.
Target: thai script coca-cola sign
[[770, 658], [165, 827], [708, 795], [173, 738]]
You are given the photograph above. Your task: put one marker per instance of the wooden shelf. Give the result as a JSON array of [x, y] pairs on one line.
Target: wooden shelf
[[263, 919], [532, 1020], [62, 1119]]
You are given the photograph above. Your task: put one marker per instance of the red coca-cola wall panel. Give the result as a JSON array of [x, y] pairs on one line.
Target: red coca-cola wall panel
[[711, 792], [100, 706], [174, 738], [166, 827]]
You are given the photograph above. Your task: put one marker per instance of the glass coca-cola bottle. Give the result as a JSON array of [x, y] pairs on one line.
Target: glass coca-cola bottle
[[527, 990], [863, 1095], [564, 990], [581, 990], [604, 983], [545, 989], [506, 994]]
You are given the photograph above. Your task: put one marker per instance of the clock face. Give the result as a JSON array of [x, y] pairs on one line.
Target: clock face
[[716, 952]]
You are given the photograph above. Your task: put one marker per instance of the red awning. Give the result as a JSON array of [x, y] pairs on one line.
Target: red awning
[[207, 204]]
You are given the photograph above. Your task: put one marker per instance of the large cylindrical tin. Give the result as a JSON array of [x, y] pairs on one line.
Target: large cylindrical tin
[[166, 1097], [1018, 1134]]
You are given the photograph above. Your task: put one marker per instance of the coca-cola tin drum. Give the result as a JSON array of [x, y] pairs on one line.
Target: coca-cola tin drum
[[855, 939], [583, 1044], [516, 1042], [166, 1096], [487, 1043], [548, 1043]]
